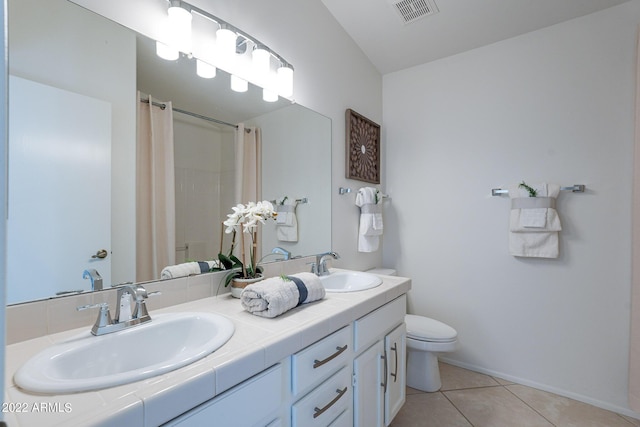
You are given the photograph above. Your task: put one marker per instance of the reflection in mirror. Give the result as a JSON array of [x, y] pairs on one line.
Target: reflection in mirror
[[74, 81]]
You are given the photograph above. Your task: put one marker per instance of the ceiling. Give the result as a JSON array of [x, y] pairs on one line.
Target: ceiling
[[457, 26]]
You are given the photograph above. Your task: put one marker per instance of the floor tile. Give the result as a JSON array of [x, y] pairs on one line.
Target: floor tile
[[565, 412], [455, 378], [495, 407], [429, 410]]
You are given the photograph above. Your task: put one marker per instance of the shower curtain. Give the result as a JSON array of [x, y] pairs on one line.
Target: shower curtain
[[155, 190], [634, 343], [248, 170]]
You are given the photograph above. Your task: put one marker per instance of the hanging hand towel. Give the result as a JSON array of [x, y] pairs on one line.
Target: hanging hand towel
[[371, 225], [534, 223], [276, 295], [287, 223]]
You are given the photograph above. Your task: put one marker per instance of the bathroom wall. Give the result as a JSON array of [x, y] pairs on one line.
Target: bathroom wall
[[554, 105]]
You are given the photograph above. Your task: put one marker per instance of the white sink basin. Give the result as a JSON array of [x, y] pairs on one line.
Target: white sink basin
[[88, 362], [349, 281]]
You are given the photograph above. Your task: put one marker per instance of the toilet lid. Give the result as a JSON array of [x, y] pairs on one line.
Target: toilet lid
[[426, 329]]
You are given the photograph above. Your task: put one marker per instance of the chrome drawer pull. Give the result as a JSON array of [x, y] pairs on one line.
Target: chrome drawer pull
[[319, 411], [395, 350], [317, 363]]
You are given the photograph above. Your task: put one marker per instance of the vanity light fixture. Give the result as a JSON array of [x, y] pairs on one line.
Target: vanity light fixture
[[269, 95], [239, 84], [244, 57], [179, 25], [164, 51], [285, 79], [205, 70]]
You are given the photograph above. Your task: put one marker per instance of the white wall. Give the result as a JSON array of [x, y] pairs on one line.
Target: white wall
[[555, 105]]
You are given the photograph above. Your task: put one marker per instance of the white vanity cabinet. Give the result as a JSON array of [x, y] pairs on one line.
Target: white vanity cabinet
[[254, 402], [380, 364]]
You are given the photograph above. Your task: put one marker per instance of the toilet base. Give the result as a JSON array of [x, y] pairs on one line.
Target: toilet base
[[423, 372]]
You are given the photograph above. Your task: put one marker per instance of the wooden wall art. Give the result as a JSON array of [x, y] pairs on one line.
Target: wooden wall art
[[362, 148]]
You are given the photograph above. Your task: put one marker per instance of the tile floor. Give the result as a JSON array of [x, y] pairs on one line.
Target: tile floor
[[471, 399]]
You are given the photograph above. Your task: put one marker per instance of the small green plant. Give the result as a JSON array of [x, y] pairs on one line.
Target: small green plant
[[532, 191]]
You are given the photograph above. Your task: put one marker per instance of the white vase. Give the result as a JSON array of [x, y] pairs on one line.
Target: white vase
[[238, 285]]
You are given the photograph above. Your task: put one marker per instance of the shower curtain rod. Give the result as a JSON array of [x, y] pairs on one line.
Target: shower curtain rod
[[189, 113]]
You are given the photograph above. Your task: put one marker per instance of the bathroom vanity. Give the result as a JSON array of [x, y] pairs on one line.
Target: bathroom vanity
[[339, 361]]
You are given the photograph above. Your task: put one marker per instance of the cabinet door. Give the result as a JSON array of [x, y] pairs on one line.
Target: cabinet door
[[395, 350], [368, 383]]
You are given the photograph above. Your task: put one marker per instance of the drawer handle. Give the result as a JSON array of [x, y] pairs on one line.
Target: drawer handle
[[395, 350], [317, 363], [319, 411]]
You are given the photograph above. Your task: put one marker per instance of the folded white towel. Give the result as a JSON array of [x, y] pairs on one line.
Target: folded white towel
[[276, 295], [534, 222], [287, 223], [371, 224], [188, 269]]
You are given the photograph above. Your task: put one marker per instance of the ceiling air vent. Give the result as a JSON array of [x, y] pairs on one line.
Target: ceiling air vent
[[412, 10]]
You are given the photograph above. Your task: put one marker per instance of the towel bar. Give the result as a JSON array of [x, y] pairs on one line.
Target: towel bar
[[303, 200], [577, 188]]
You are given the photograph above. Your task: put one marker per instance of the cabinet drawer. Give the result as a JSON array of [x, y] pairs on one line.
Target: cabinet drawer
[[318, 361], [344, 420], [376, 324], [323, 405], [263, 394]]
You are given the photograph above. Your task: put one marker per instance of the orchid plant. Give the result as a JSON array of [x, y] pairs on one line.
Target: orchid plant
[[245, 219]]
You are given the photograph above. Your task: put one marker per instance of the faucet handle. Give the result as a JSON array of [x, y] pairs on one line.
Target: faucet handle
[[101, 305], [104, 316]]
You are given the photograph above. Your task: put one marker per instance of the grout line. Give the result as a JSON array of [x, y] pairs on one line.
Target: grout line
[[532, 408], [456, 408]]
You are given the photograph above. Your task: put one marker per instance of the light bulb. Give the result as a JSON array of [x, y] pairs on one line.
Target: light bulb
[[204, 70], [180, 27], [261, 59], [238, 84], [269, 95], [226, 42], [166, 52], [285, 80]]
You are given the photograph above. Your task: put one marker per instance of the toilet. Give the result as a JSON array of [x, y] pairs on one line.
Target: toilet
[[425, 339]]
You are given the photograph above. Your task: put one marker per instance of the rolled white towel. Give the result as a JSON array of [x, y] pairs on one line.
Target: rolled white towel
[[276, 295], [188, 269]]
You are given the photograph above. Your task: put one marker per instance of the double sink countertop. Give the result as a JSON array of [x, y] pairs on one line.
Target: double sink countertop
[[256, 344]]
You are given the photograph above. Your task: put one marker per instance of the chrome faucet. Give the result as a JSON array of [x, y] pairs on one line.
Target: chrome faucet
[[281, 251], [96, 280], [320, 266], [128, 293]]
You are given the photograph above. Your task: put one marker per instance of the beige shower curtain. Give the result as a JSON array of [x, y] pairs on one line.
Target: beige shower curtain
[[634, 344], [248, 170], [155, 190]]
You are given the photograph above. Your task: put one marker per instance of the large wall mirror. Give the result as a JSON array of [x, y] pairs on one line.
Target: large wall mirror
[[76, 80]]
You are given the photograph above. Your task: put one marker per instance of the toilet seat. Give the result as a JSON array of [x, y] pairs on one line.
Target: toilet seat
[[429, 330]]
